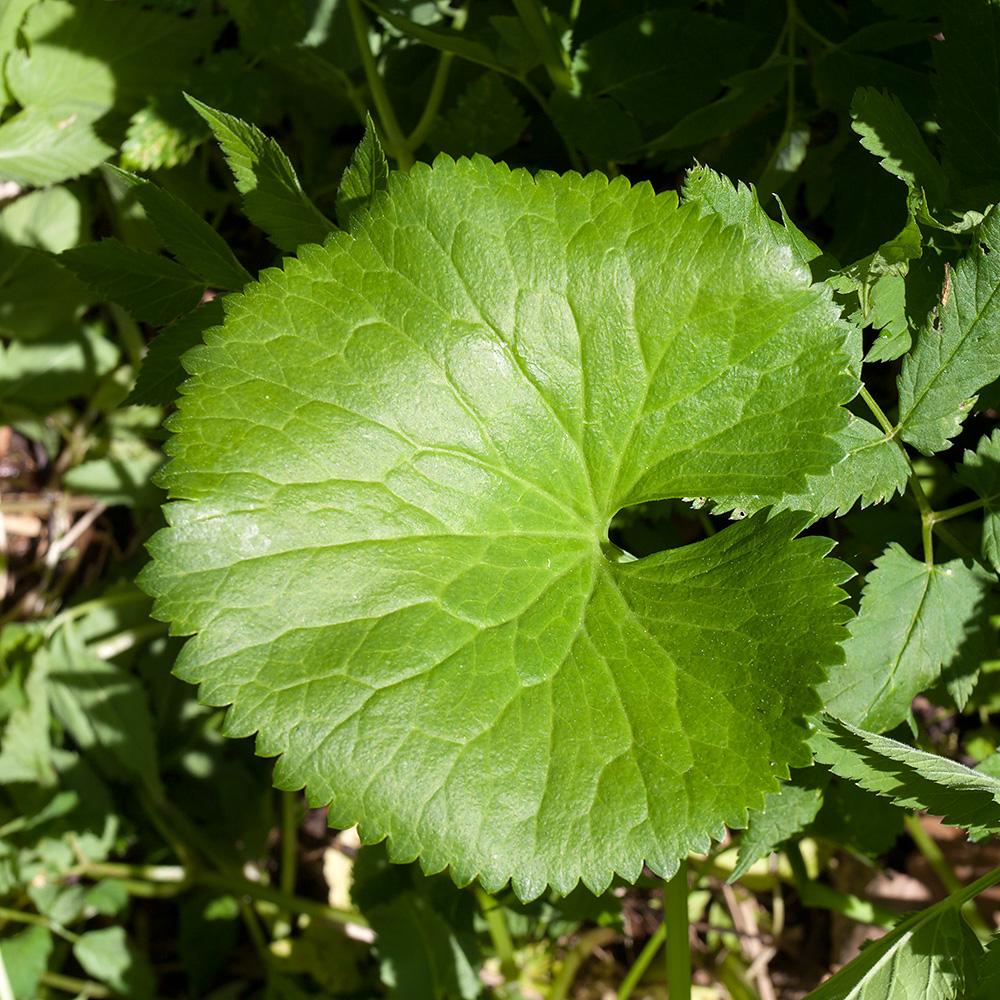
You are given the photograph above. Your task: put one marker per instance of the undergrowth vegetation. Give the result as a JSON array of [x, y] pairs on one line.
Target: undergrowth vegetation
[[562, 437]]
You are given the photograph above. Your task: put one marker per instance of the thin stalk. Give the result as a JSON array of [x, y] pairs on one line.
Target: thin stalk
[[929, 848], [815, 894], [289, 857], [678, 946], [395, 141], [884, 421], [574, 958], [640, 965], [554, 56], [965, 508], [37, 920], [926, 517], [499, 934], [77, 987], [417, 136]]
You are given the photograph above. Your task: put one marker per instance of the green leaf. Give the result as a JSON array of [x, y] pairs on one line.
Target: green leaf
[[104, 708], [746, 94], [51, 220], [44, 373], [887, 131], [910, 777], [957, 355], [988, 974], [425, 430], [737, 204], [786, 813], [913, 623], [887, 305], [151, 287], [39, 148], [273, 199], [11, 15], [928, 956], [187, 235], [26, 958], [487, 119], [107, 955], [365, 176], [873, 470], [968, 87], [980, 471], [419, 954], [86, 56], [162, 373], [662, 64]]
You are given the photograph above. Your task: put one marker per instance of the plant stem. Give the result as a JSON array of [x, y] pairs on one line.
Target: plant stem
[[499, 935], [289, 842], [554, 56], [640, 965], [815, 894], [883, 420], [929, 848], [926, 517], [78, 987], [395, 142], [37, 920], [678, 946], [418, 135], [572, 960], [965, 508]]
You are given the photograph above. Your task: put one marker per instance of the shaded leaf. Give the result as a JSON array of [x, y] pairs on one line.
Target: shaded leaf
[[980, 471], [150, 286], [187, 235], [786, 813], [26, 958], [441, 456], [487, 119], [888, 132], [107, 955], [162, 373]]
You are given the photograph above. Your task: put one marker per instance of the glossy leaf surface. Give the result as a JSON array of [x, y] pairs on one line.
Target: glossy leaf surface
[[395, 467]]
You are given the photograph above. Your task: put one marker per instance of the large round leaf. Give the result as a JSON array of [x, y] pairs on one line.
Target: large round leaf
[[395, 466]]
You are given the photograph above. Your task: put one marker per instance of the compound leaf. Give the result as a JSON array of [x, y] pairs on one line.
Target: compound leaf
[[187, 235], [955, 358], [980, 471], [913, 623], [272, 196], [394, 470]]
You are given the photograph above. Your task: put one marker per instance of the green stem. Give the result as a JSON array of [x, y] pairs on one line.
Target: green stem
[[965, 508], [77, 987], [233, 885], [37, 920], [640, 965], [884, 421], [496, 925], [926, 517], [417, 136], [678, 947], [929, 848], [815, 894], [395, 142], [574, 958], [554, 56], [289, 842]]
